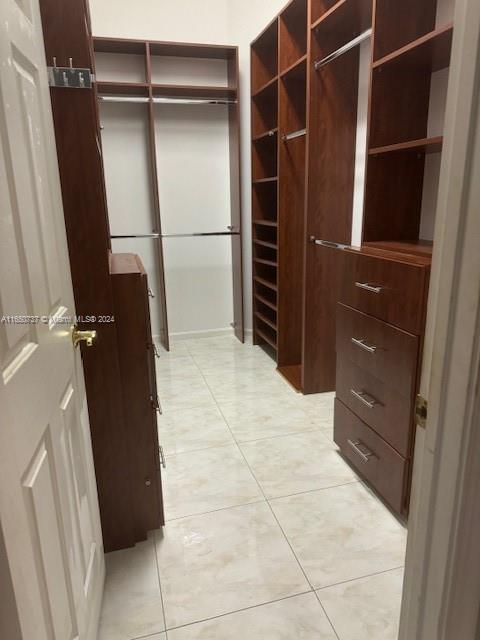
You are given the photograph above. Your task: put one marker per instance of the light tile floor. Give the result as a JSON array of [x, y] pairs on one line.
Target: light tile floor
[[270, 535]]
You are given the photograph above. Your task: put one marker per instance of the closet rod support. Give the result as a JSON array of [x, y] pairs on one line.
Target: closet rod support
[[296, 134], [328, 243], [342, 50], [192, 101]]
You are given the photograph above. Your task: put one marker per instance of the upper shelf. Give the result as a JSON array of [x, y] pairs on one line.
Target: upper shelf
[[346, 16], [139, 89], [188, 91], [431, 52], [428, 145], [159, 48]]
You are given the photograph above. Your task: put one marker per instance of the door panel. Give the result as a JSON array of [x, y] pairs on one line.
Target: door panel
[[48, 503]]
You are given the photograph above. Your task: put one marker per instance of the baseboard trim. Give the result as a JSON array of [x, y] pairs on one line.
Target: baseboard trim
[[194, 335]]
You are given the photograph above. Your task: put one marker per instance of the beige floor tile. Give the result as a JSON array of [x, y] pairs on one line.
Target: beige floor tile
[[193, 429], [203, 481], [296, 463], [297, 618], [225, 561], [365, 609], [256, 418], [341, 533], [132, 605], [184, 393]]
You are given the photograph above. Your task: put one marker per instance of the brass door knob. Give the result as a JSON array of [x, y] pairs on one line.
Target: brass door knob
[[83, 336]]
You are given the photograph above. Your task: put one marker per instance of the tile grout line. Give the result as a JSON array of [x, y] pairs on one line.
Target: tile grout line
[[160, 585], [229, 613]]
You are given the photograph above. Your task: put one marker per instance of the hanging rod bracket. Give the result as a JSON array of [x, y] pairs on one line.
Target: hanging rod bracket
[[365, 35], [296, 134]]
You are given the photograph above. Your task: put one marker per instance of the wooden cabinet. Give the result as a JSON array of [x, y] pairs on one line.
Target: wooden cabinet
[[378, 366], [139, 390]]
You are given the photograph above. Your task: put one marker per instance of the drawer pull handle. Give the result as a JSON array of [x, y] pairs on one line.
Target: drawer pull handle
[[162, 457], [373, 288], [367, 400], [364, 455], [364, 345]]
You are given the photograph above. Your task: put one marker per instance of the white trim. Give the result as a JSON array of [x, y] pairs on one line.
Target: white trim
[[442, 586], [194, 335]]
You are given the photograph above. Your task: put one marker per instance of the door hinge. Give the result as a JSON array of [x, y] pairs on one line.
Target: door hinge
[[70, 78], [421, 411]]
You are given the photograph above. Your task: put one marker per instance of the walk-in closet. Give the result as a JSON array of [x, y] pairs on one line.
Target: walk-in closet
[[169, 117]]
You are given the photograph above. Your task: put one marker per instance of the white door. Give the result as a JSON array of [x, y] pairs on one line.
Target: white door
[[48, 503]]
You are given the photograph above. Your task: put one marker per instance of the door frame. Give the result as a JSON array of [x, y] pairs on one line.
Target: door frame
[[442, 588]]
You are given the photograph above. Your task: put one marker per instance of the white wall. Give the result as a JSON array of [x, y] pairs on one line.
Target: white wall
[[234, 22]]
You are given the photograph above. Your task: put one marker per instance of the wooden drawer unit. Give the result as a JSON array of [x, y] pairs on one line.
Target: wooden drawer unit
[[375, 460], [137, 371], [392, 290], [377, 403], [388, 353]]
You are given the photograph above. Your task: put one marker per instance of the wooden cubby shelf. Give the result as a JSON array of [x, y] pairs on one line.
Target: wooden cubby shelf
[[294, 66], [266, 223], [431, 52], [268, 85], [269, 263], [346, 16], [428, 145], [187, 91], [423, 248], [138, 89], [267, 303], [266, 320], [266, 283], [264, 243], [265, 180], [268, 338]]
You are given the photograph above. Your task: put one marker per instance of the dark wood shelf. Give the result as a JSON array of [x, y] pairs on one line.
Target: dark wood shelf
[[270, 134], [269, 263], [267, 303], [266, 320], [293, 375], [265, 180], [192, 91], [431, 52], [139, 89], [266, 283], [267, 338], [263, 243], [293, 67], [422, 248], [160, 48], [266, 223], [429, 145], [353, 15], [271, 83]]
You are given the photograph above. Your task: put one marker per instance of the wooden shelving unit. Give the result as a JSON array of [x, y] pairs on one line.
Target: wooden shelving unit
[[279, 62], [409, 48]]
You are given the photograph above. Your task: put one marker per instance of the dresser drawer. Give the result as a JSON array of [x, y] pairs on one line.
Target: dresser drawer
[[386, 289], [379, 405], [383, 351], [374, 459]]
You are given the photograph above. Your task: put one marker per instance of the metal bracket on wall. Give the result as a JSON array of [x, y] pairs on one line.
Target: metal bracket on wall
[[69, 77], [327, 243]]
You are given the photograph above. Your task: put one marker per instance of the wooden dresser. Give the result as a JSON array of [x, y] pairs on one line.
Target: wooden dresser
[[137, 354], [380, 326]]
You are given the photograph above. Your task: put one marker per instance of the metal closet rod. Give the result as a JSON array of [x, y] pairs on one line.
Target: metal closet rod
[[344, 49], [176, 235], [141, 100]]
